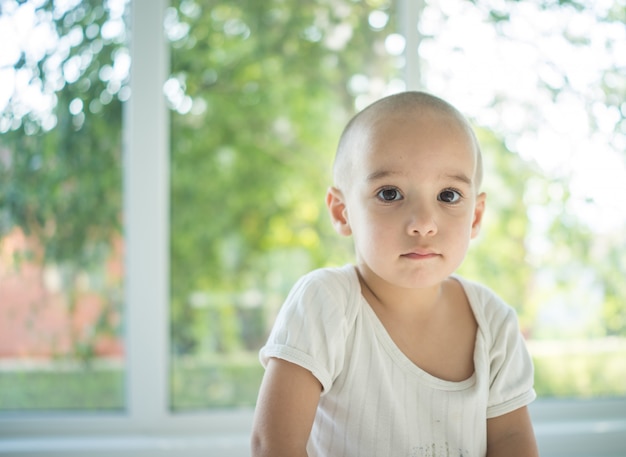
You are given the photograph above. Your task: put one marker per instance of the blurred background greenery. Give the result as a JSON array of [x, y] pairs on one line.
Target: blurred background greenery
[[259, 92]]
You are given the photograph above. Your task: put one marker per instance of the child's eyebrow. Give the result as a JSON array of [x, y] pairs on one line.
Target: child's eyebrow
[[462, 177], [384, 174], [381, 174]]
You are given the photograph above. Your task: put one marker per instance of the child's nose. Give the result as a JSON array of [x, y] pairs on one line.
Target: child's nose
[[422, 220]]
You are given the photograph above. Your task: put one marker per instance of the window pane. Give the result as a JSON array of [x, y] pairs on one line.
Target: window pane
[[259, 92], [62, 84], [545, 85]]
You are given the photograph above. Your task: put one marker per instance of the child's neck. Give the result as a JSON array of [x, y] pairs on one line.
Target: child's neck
[[411, 303]]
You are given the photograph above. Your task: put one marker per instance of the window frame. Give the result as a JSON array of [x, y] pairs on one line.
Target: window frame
[[146, 425]]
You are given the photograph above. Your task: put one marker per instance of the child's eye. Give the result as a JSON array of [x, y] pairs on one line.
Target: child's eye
[[449, 196], [389, 195]]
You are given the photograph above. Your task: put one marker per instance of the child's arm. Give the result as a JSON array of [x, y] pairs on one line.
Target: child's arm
[[285, 410], [511, 435]]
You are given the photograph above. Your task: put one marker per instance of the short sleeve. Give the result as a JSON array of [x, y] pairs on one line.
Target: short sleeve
[[311, 327], [511, 368]]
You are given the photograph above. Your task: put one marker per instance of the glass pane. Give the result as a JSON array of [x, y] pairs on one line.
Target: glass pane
[[545, 86], [62, 83], [259, 92]]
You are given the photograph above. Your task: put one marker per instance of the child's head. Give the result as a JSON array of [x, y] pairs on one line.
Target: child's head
[[407, 176], [402, 105]]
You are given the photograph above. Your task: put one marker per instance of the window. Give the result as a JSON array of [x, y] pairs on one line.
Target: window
[[217, 220], [259, 93], [542, 84], [247, 208], [61, 246]]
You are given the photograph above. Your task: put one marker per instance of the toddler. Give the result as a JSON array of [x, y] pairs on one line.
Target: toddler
[[397, 355]]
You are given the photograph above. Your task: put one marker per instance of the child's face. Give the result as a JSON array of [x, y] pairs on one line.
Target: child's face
[[411, 203]]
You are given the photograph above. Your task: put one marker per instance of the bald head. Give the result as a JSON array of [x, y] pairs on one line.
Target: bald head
[[402, 106]]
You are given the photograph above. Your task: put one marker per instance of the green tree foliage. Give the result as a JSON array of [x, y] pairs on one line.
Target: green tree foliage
[[269, 91], [60, 170], [575, 265], [259, 92], [63, 184]]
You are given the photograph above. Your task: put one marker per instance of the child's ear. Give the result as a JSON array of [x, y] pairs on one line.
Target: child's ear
[[479, 210], [336, 204]]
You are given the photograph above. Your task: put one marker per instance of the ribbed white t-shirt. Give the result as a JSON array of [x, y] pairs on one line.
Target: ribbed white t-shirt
[[375, 401]]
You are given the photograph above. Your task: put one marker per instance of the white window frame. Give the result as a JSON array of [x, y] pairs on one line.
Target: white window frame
[[147, 427]]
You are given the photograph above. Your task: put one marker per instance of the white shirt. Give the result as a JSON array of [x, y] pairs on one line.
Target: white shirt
[[375, 401]]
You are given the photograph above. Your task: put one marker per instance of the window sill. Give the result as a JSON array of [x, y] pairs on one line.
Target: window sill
[[128, 445], [577, 428]]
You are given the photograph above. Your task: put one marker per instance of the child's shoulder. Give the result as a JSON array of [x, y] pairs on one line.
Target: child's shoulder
[[334, 289], [335, 279], [488, 307]]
